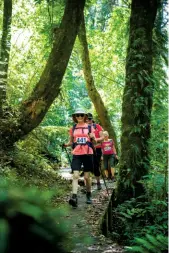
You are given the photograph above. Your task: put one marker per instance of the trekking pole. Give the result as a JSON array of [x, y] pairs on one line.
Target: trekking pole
[[101, 172], [64, 148]]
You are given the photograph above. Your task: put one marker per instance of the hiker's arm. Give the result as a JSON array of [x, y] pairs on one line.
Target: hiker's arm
[[101, 138], [70, 142], [114, 149], [93, 138]]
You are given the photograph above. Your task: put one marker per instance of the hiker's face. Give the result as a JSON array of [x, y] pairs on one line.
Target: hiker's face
[[106, 136], [89, 121], [80, 117]]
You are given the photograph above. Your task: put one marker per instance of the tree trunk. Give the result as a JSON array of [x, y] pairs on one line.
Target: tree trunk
[[47, 89], [92, 91], [5, 51], [137, 101]]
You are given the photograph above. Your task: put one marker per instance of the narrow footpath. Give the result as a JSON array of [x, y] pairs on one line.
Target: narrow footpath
[[88, 220]]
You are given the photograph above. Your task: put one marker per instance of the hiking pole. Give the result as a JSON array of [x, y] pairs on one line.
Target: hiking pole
[[64, 148], [101, 172]]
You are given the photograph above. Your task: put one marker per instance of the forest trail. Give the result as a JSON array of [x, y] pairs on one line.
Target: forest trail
[[87, 221]]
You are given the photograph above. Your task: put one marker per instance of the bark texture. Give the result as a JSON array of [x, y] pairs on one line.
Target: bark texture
[[137, 100], [47, 89], [5, 51], [92, 91]]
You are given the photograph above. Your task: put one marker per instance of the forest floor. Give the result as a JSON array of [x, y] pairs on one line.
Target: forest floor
[[85, 220]]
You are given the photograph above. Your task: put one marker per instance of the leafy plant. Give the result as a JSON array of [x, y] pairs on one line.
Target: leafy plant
[[26, 217], [138, 217], [150, 244]]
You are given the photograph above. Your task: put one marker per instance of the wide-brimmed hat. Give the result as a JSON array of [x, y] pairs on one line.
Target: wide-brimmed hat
[[79, 111], [90, 116]]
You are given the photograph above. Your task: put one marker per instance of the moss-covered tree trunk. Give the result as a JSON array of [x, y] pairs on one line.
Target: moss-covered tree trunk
[[137, 100], [92, 91], [47, 89], [5, 51]]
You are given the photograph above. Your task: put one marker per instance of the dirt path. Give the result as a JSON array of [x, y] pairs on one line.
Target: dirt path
[[86, 222]]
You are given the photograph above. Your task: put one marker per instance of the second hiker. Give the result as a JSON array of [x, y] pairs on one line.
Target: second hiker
[[98, 131], [109, 155]]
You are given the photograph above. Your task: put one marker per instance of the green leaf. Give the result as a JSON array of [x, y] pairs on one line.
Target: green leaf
[[125, 215], [146, 244], [136, 249], [31, 210]]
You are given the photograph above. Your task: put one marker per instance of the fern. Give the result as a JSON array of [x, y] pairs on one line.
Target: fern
[[150, 244], [135, 249]]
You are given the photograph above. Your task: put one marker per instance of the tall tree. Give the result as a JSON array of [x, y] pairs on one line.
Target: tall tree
[[92, 91], [5, 50], [137, 100], [33, 110]]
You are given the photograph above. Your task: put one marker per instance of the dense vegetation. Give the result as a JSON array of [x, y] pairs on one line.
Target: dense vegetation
[[118, 58]]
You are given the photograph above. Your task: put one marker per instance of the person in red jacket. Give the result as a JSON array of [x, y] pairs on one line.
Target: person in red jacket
[[98, 131], [109, 155]]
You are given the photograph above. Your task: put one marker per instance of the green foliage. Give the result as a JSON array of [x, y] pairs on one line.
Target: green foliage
[[33, 26], [25, 216], [43, 142], [138, 217], [32, 34], [150, 244]]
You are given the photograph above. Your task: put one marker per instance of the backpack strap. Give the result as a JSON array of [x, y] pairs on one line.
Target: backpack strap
[[73, 128], [89, 143], [89, 128]]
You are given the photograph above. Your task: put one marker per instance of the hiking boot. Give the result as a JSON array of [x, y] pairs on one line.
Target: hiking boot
[[99, 186], [88, 198], [73, 201]]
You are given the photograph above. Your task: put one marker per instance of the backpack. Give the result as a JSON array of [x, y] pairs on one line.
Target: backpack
[[89, 127], [90, 144]]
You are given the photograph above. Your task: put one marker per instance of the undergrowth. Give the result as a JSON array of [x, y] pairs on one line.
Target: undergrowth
[[142, 225]]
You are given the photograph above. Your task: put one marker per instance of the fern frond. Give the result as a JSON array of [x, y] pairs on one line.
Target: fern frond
[[136, 249], [146, 244]]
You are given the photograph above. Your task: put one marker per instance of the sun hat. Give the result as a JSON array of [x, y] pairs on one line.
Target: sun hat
[[79, 111], [90, 116]]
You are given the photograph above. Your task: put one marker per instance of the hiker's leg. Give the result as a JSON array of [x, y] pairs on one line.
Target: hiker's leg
[[106, 173], [76, 165], [88, 167], [88, 188], [88, 181], [75, 182], [112, 172], [105, 162], [112, 166]]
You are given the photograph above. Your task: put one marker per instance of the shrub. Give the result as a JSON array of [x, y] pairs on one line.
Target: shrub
[[28, 224]]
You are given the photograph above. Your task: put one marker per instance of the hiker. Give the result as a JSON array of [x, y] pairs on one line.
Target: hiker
[[98, 131], [80, 139], [109, 155]]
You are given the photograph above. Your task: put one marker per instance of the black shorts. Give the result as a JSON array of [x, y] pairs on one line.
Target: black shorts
[[85, 160], [108, 160]]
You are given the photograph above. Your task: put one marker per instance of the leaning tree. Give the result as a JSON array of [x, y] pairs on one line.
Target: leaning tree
[[33, 110], [91, 88]]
